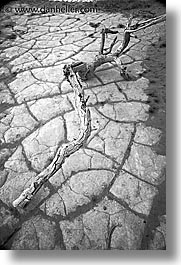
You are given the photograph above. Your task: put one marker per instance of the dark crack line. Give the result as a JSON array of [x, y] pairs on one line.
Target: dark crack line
[[125, 157], [27, 161], [118, 121], [135, 176], [31, 113], [110, 236], [121, 91], [112, 197], [103, 154]]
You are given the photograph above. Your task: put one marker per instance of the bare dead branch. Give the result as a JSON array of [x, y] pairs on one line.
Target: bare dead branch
[[75, 73], [67, 149], [104, 34], [111, 46], [102, 41]]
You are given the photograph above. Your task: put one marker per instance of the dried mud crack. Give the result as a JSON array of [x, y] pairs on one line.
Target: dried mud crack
[[110, 193]]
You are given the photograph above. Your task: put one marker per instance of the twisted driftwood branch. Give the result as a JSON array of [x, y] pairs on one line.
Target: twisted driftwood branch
[[67, 149], [74, 74], [104, 57], [104, 33]]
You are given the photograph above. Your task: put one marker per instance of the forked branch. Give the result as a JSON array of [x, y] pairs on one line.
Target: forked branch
[[74, 74]]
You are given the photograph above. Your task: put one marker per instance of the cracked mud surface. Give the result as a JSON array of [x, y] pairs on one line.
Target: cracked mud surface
[[111, 193]]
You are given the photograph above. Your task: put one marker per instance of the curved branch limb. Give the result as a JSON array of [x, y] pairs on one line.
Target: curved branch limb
[[111, 46], [146, 23], [107, 57], [67, 149], [102, 41], [104, 33], [134, 28]]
